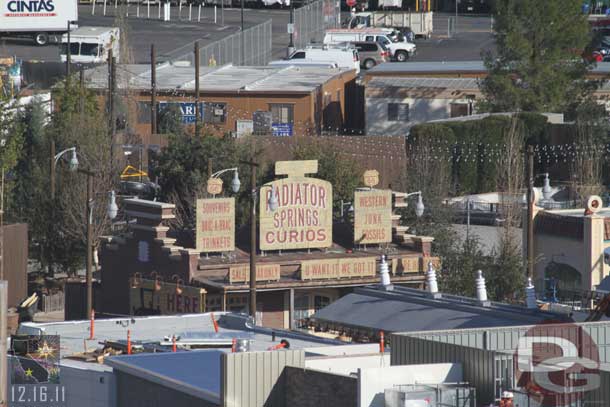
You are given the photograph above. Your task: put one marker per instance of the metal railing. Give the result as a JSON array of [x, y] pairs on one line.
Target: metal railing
[[311, 20], [251, 47]]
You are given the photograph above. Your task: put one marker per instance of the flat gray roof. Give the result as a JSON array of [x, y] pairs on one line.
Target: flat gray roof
[[451, 66], [441, 83], [227, 78], [153, 329]]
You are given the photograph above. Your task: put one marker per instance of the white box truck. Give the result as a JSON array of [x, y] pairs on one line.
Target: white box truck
[[37, 19], [91, 45], [420, 23]]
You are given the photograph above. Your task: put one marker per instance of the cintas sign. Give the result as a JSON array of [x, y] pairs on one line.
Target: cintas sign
[[303, 218]]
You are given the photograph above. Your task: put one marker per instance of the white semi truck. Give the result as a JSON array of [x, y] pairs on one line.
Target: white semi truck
[[37, 19], [420, 22]]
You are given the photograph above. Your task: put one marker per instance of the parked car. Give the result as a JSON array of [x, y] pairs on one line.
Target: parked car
[[343, 56], [371, 53]]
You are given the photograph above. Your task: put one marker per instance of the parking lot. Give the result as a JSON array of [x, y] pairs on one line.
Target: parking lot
[[176, 36], [169, 37]]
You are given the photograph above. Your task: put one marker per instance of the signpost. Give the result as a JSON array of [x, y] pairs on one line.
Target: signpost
[[303, 218], [373, 217], [215, 230]]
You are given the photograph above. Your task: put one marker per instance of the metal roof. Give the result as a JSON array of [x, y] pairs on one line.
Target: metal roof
[[227, 78], [195, 373], [444, 83], [411, 310], [453, 66]]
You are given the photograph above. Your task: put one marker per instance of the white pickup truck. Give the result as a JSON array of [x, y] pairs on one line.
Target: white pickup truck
[[37, 19], [420, 23], [91, 45], [399, 50]]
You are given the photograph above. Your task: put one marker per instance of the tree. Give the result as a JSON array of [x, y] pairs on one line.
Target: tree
[[344, 174], [538, 64]]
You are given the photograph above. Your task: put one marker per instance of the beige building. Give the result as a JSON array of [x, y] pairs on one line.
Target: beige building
[[570, 247]]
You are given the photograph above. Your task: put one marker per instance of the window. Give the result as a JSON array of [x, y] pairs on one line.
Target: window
[[282, 113], [367, 47], [298, 55], [89, 49], [382, 40], [369, 38], [460, 109], [214, 113], [320, 302], [398, 112], [74, 48], [144, 112]]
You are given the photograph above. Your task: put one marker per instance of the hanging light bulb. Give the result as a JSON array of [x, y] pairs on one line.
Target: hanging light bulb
[[236, 183], [419, 207], [73, 163]]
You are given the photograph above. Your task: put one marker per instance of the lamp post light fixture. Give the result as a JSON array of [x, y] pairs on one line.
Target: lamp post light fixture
[[235, 182], [72, 163], [419, 206], [547, 191]]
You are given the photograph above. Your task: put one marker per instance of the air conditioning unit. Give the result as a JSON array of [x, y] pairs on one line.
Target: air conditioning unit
[[401, 398]]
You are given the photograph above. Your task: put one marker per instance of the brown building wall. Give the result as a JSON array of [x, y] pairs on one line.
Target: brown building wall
[[16, 261], [272, 305], [311, 388]]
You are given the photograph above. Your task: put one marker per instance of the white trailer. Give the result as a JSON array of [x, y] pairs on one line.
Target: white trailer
[[420, 23], [91, 44], [37, 19]]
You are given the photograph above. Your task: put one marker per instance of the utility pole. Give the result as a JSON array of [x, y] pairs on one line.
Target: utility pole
[[53, 171], [111, 92], [243, 51], [291, 44], [153, 90], [197, 112], [253, 242], [89, 219], [68, 54], [3, 343], [530, 211]]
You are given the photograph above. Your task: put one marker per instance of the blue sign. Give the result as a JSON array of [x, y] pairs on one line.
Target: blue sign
[[187, 109], [281, 129]]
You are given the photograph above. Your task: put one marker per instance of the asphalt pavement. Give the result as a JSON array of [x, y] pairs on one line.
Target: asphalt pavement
[[472, 34], [169, 37]]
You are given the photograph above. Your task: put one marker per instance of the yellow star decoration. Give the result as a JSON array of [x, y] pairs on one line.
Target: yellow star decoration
[[29, 372], [45, 351]]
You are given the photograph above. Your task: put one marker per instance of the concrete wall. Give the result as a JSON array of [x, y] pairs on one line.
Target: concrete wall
[[88, 387], [479, 366], [420, 110], [347, 365], [135, 392], [311, 388], [373, 381], [255, 379]]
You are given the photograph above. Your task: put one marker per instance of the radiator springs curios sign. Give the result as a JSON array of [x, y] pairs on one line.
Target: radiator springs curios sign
[[303, 218]]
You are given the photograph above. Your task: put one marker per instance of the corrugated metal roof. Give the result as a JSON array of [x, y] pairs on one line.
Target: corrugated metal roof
[[451, 66], [444, 83], [226, 78], [411, 310], [194, 373]]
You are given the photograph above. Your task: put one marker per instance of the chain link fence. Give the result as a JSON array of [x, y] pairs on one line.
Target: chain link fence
[[251, 47], [311, 20]]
